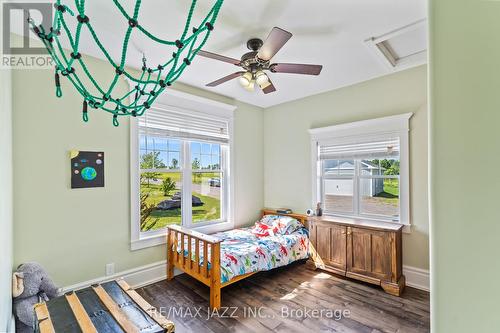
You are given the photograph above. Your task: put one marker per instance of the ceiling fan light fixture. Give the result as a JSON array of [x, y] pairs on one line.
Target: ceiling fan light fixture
[[265, 84], [250, 86], [261, 78], [246, 79]]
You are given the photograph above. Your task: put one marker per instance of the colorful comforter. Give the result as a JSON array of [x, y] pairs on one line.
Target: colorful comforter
[[243, 251]]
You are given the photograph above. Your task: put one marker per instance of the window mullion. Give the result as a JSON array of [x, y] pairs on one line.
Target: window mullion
[[356, 192], [321, 184], [186, 210], [224, 183]]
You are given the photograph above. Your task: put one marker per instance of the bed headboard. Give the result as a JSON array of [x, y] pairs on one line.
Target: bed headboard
[[301, 217]]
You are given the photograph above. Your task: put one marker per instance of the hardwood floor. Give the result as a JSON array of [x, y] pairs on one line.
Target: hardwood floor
[[282, 300]]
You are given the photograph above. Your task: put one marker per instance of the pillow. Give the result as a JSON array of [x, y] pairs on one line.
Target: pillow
[[270, 225]]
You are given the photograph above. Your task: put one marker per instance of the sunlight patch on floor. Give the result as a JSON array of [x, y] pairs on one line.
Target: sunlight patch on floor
[[323, 276], [296, 291]]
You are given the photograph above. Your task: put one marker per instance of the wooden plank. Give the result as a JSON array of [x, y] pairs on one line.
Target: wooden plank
[[237, 278], [203, 279], [43, 318], [178, 247], [183, 259], [81, 315], [190, 266], [174, 248], [197, 256], [205, 260], [215, 285], [115, 311], [170, 255], [148, 308]]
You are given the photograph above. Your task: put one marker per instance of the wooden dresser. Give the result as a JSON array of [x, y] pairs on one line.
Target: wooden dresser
[[369, 251]]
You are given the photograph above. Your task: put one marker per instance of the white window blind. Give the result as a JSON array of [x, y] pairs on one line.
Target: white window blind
[[381, 148], [161, 122]]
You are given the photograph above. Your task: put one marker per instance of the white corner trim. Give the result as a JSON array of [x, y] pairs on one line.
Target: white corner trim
[[417, 278], [135, 277], [12, 325]]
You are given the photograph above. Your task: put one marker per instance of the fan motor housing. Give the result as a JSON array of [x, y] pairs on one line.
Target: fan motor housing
[[249, 56], [254, 44]]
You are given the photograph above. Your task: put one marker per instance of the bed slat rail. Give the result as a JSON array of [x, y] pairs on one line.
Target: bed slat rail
[[180, 254]]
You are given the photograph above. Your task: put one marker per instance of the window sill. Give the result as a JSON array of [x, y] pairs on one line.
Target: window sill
[[148, 241], [159, 238], [406, 226]]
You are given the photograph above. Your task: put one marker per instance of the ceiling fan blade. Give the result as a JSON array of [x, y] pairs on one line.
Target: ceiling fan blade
[[225, 79], [269, 88], [274, 42], [219, 57], [297, 69]]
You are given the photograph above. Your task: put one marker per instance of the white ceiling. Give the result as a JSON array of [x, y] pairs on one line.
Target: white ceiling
[[327, 32]]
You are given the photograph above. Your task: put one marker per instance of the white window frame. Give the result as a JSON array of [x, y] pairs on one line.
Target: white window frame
[[196, 106], [366, 130]]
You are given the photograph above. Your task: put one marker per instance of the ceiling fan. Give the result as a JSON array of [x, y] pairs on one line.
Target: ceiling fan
[[258, 60]]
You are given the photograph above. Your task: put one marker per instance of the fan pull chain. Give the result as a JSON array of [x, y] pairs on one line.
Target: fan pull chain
[[85, 115], [58, 85]]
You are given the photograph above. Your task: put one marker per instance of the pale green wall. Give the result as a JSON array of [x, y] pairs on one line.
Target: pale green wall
[[74, 233], [287, 152], [5, 200], [465, 154]]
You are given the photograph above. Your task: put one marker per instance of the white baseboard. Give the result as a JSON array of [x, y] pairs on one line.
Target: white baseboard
[[147, 274], [135, 277], [417, 277]]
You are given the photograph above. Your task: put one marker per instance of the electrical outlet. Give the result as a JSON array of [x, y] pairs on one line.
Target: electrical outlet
[[110, 269]]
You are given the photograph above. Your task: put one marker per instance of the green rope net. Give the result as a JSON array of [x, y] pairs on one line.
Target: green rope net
[[148, 85]]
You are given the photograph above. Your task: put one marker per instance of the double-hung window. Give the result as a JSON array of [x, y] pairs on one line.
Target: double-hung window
[[361, 169], [182, 171]]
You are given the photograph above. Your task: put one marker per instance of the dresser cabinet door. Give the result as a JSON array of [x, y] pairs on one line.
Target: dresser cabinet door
[[369, 253], [338, 241], [329, 241]]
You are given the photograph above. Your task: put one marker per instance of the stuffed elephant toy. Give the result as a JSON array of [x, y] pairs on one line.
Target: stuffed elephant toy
[[30, 285]]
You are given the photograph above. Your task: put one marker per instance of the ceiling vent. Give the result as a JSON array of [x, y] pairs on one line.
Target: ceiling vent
[[402, 48]]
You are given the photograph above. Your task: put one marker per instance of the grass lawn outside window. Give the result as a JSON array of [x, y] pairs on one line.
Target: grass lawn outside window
[[159, 219]]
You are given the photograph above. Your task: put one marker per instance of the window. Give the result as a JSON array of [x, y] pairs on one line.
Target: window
[[182, 173], [361, 169]]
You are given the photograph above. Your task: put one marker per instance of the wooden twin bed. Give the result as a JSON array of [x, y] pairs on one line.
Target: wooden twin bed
[[176, 258]]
